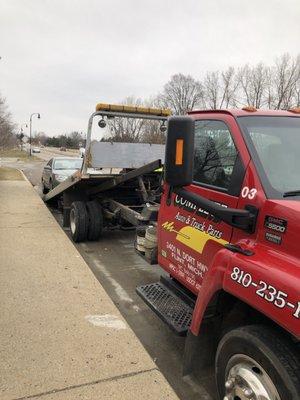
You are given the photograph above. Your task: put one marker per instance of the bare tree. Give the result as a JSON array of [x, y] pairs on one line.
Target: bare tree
[[230, 84], [181, 94], [296, 97], [253, 85], [40, 138], [277, 87], [7, 137], [212, 89], [74, 139], [220, 89], [126, 129], [284, 81], [152, 133]]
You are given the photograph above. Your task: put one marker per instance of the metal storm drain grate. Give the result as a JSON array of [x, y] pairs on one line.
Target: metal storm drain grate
[[169, 307]]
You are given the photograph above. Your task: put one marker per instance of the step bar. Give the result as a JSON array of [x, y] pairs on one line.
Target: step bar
[[169, 305]]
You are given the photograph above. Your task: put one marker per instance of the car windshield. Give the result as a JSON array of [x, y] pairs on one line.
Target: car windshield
[[68, 163], [275, 146]]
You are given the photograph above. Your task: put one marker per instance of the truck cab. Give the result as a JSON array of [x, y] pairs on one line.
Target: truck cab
[[227, 234]]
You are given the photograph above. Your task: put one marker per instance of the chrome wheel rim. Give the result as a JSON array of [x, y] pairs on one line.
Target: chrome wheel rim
[[245, 379], [72, 221]]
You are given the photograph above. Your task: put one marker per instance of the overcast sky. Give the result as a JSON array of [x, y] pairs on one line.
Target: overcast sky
[[61, 57]]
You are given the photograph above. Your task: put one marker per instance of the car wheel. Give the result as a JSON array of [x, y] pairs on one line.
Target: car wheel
[[257, 362], [44, 189], [95, 215], [78, 221], [50, 185]]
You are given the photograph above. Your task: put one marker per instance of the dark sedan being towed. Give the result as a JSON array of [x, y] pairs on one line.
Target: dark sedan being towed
[[59, 169]]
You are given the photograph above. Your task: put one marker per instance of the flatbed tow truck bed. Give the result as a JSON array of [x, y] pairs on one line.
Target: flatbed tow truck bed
[[94, 183], [102, 198]]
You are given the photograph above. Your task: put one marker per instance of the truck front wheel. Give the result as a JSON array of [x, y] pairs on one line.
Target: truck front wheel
[[256, 362], [78, 221]]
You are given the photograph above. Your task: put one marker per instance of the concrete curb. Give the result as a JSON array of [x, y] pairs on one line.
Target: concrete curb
[[61, 335], [24, 176]]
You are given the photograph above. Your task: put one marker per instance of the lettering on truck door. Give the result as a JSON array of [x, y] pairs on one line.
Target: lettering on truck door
[[190, 236]]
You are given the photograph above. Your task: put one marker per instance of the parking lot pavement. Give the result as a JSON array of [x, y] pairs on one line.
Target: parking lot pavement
[[61, 335]]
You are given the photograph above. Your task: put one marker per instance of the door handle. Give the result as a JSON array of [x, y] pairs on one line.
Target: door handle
[[237, 249]]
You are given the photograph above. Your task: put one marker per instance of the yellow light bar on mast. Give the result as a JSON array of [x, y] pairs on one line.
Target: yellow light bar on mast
[[161, 112]]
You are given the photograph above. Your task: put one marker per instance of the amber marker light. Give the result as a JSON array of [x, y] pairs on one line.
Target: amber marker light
[[249, 109], [295, 110], [179, 152]]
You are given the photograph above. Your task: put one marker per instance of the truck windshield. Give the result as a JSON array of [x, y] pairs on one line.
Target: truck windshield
[[68, 163], [275, 146]]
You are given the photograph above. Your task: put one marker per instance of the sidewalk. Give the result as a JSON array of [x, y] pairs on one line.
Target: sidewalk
[[61, 337]]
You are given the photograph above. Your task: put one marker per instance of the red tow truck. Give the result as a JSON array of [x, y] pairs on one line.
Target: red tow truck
[[227, 228], [228, 234]]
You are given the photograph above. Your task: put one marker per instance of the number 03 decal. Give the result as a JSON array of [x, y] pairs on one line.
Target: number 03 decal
[[248, 193]]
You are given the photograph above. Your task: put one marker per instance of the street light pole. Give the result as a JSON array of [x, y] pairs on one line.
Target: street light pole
[[30, 129]]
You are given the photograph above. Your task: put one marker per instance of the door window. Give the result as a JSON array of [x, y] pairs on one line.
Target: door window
[[215, 154]]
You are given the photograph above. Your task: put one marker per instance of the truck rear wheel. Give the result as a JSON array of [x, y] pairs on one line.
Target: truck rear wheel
[[78, 221], [255, 362], [95, 215]]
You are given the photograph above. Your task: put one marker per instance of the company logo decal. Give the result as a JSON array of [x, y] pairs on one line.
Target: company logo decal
[[195, 237], [191, 207]]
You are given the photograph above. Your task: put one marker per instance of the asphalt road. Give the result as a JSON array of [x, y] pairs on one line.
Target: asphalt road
[[120, 270], [49, 152]]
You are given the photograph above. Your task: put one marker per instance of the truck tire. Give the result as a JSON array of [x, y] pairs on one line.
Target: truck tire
[[95, 216], [78, 221], [257, 359]]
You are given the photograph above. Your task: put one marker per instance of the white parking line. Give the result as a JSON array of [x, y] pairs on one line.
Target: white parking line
[[120, 292], [106, 321]]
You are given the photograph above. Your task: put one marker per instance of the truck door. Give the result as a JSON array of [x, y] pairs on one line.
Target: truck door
[[189, 237]]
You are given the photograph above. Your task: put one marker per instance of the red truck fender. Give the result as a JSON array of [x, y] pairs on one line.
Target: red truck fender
[[269, 282], [261, 280]]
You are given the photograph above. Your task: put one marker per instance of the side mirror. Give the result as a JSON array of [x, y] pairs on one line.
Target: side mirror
[[179, 158]]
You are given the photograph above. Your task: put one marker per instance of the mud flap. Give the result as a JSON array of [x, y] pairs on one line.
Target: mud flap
[[199, 352]]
